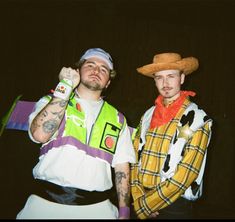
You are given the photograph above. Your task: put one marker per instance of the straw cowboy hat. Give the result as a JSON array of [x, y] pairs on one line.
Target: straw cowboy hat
[[165, 61]]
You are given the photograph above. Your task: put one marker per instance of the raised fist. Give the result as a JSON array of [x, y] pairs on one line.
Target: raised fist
[[70, 74]]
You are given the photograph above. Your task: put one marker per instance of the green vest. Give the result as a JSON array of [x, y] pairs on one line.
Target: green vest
[[104, 133]]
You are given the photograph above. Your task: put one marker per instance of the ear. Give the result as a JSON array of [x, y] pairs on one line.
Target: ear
[[107, 84], [182, 77]]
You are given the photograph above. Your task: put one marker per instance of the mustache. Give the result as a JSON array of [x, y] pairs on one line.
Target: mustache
[[166, 88], [96, 76]]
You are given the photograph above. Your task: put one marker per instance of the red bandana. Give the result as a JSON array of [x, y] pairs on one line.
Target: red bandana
[[162, 114]]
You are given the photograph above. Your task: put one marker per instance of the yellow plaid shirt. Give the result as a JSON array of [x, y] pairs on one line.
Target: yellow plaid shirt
[[149, 193]]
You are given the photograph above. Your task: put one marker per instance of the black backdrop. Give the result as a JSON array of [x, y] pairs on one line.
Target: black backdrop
[[38, 38]]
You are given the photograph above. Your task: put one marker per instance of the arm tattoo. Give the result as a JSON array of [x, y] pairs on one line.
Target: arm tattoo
[[119, 176], [59, 114], [62, 103], [50, 118], [44, 113], [50, 126], [122, 191]]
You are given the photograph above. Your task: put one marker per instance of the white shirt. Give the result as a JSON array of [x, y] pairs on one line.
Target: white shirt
[[69, 166]]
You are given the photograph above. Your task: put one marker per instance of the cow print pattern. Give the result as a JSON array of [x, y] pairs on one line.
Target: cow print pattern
[[188, 118], [195, 187], [166, 165]]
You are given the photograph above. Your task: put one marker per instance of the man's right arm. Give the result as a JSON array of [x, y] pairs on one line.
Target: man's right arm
[[48, 120]]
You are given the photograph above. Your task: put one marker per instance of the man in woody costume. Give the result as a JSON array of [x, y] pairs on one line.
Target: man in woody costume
[[171, 144], [83, 138]]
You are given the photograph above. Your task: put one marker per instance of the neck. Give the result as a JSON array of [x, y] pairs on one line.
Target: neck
[[169, 101], [84, 93], [166, 102]]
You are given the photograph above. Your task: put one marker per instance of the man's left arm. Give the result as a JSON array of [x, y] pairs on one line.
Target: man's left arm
[[122, 180]]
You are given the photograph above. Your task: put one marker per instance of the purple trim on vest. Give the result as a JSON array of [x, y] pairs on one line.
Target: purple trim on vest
[[131, 129], [20, 115], [121, 118], [68, 140]]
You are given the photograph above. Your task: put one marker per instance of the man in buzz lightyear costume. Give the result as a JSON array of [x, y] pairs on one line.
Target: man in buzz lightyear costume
[[82, 138], [171, 144]]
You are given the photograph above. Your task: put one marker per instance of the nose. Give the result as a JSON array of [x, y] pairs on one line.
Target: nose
[[165, 82], [96, 69]]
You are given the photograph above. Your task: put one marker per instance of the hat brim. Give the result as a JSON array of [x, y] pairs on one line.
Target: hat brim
[[186, 65]]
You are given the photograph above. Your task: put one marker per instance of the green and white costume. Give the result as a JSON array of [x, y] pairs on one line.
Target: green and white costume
[[80, 155]]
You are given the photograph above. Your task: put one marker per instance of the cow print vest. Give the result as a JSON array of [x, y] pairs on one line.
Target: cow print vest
[[192, 119]]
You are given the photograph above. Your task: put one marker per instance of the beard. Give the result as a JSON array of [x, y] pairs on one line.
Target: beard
[[93, 85], [170, 93]]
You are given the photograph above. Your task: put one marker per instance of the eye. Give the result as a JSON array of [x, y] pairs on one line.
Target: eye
[[90, 65], [104, 71], [157, 77]]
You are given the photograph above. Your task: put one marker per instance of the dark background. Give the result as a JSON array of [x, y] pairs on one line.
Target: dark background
[[38, 38]]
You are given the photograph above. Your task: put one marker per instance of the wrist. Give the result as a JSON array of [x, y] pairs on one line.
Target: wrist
[[124, 212], [64, 89]]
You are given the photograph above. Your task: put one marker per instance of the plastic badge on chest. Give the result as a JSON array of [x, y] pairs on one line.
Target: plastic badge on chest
[[110, 138]]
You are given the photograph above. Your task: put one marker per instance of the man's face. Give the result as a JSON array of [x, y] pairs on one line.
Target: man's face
[[168, 83], [95, 74]]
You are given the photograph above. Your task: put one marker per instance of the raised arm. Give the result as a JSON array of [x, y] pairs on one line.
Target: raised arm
[[48, 120]]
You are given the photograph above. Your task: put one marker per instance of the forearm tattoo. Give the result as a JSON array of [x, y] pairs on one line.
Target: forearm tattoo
[[122, 183], [119, 176], [62, 103], [50, 117], [50, 126]]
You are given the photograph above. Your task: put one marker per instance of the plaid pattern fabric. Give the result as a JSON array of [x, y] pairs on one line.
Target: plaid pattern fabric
[[149, 193]]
